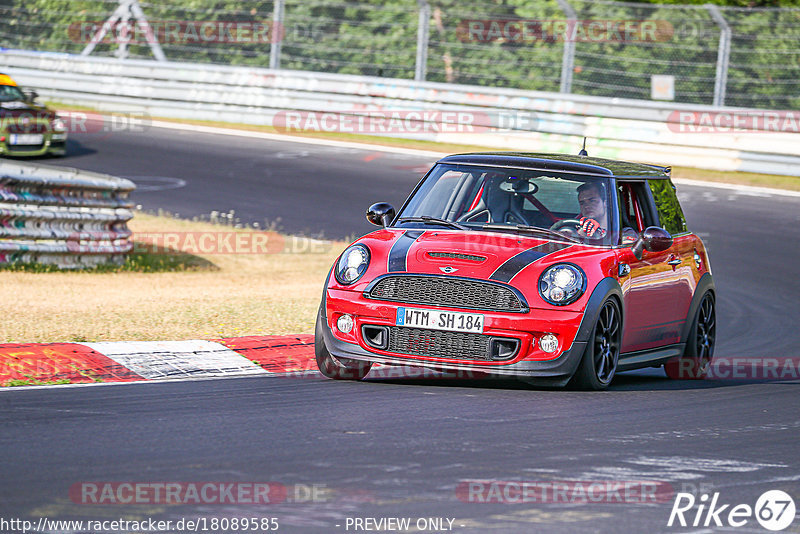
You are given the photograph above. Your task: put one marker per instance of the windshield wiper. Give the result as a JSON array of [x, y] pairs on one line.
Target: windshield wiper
[[532, 229], [433, 220]]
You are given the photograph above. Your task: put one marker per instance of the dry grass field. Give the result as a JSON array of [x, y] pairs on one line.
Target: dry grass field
[[206, 296]]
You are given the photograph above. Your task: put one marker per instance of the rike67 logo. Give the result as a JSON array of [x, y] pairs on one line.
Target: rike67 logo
[[774, 510]]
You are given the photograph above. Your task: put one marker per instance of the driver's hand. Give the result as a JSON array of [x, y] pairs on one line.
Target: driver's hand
[[590, 227]]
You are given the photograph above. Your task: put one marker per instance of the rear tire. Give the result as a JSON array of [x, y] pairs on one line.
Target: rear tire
[[699, 351], [331, 366], [599, 363]]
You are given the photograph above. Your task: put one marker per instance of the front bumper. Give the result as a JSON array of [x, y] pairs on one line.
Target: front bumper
[[529, 361], [53, 143]]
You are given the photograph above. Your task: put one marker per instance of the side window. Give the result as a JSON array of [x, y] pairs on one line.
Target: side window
[[636, 213], [627, 207], [669, 209]]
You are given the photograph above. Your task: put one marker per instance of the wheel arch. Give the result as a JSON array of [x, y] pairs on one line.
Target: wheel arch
[[705, 285], [324, 300], [607, 288]]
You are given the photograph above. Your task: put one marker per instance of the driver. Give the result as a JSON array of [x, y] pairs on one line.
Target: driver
[[593, 215]]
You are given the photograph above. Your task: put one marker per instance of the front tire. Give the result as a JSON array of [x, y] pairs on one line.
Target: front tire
[[331, 366], [599, 363], [696, 358]]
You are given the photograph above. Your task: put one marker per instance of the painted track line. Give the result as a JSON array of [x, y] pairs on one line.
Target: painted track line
[[154, 360]]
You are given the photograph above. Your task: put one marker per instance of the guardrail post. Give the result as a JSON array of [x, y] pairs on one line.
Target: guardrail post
[[568, 59], [422, 40], [723, 54], [278, 34]]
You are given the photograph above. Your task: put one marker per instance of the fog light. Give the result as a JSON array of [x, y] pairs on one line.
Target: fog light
[[344, 324], [548, 343]]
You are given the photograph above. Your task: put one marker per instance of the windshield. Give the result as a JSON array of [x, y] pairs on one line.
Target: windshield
[[478, 197], [9, 93]]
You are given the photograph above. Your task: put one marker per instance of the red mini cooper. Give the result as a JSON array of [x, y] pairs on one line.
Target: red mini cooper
[[550, 268]]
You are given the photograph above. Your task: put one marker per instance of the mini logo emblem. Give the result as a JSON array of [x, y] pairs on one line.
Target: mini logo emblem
[[448, 269], [26, 121]]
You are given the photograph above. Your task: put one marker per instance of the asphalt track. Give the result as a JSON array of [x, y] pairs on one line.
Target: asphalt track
[[400, 447]]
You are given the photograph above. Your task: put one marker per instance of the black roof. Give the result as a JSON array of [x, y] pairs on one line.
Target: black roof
[[561, 162]]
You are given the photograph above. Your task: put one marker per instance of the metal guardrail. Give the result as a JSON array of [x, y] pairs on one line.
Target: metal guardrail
[[69, 218], [633, 130]]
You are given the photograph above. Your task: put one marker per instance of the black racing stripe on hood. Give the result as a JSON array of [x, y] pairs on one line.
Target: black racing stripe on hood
[[515, 264], [399, 251]]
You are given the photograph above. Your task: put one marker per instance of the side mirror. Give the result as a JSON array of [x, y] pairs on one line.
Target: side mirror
[[653, 239], [30, 95], [381, 214]]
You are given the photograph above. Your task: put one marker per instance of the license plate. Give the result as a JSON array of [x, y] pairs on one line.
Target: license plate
[[440, 320], [25, 139]]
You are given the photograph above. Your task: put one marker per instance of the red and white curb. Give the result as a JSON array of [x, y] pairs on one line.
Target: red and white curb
[[77, 363]]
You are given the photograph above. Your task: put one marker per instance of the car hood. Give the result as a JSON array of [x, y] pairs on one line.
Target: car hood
[[503, 257], [18, 108]]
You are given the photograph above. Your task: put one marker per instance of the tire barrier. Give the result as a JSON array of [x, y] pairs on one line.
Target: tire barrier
[[718, 138], [64, 217]]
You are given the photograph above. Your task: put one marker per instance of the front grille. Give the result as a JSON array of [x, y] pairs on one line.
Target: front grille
[[26, 148], [440, 344], [447, 291]]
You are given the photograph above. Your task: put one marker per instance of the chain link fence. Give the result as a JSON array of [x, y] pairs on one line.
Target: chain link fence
[[692, 54]]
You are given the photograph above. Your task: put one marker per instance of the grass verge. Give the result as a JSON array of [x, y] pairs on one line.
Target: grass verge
[[166, 295], [34, 382]]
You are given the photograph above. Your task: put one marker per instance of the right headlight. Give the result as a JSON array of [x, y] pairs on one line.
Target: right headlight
[[59, 125], [562, 284], [352, 264]]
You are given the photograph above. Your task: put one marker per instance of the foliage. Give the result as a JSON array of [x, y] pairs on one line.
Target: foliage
[[379, 38]]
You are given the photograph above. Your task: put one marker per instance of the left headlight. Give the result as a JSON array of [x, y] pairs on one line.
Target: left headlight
[[562, 284], [59, 125], [352, 264]]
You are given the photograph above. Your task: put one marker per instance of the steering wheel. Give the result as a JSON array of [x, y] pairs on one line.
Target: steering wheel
[[563, 223]]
